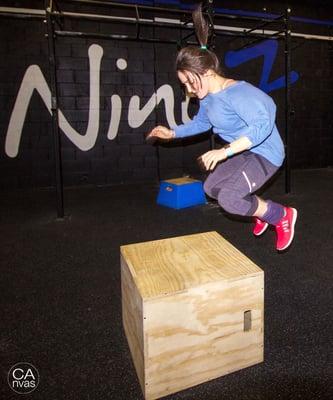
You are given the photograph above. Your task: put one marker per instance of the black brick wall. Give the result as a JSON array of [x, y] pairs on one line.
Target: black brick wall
[[127, 158]]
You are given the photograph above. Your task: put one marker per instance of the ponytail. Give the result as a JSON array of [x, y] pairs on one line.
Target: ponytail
[[201, 26], [198, 59]]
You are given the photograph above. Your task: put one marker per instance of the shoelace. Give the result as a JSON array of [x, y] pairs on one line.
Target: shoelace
[[284, 225]]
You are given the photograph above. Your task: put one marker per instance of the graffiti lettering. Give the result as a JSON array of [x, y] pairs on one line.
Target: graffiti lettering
[[268, 49], [35, 80]]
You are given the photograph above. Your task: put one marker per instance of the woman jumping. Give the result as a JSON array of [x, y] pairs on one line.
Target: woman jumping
[[244, 117]]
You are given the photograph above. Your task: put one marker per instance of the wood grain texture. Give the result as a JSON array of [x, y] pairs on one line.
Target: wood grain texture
[[132, 315], [198, 335], [181, 181], [186, 308], [170, 265]]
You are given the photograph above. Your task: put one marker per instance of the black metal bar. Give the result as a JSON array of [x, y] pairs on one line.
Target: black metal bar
[[137, 24], [134, 21], [187, 36], [258, 36], [133, 38], [120, 20], [128, 6], [54, 110], [87, 35], [276, 35], [287, 101], [210, 12], [121, 5], [157, 147], [162, 9], [56, 6], [97, 17], [217, 33], [260, 26], [242, 17], [57, 17], [22, 16]]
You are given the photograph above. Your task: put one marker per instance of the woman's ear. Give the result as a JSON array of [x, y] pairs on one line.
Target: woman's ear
[[209, 72]]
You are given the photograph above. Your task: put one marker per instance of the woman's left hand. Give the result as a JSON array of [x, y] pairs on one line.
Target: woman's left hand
[[211, 158]]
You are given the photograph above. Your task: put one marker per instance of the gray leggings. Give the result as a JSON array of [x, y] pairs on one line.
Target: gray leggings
[[234, 181]]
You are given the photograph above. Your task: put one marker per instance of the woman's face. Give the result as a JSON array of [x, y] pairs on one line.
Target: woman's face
[[194, 84]]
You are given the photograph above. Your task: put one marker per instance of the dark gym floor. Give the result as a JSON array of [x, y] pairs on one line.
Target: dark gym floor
[[61, 300]]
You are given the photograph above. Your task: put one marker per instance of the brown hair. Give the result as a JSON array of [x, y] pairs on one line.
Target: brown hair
[[197, 59]]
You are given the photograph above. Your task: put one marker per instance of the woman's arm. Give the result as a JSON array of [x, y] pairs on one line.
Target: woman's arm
[[211, 158], [257, 110], [198, 124]]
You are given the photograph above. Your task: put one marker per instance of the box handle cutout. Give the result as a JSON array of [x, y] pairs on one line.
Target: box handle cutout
[[247, 320]]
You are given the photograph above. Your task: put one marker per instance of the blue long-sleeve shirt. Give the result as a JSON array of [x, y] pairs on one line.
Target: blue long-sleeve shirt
[[239, 110]]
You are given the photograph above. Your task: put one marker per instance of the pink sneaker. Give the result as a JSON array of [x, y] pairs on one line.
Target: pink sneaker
[[259, 227], [285, 228]]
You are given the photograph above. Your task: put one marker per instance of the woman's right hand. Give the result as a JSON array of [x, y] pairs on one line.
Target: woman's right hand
[[161, 132]]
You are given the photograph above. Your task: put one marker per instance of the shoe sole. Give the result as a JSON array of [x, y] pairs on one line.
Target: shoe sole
[[262, 231], [292, 229]]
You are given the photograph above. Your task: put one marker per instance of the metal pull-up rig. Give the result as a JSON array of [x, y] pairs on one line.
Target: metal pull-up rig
[[139, 18]]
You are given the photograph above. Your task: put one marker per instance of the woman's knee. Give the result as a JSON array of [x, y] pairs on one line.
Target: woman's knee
[[234, 202], [226, 200], [210, 189]]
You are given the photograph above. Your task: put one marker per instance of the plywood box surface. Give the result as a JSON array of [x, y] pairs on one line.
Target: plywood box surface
[[192, 311]]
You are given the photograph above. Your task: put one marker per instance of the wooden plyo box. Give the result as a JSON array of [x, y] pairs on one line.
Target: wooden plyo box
[[192, 310]]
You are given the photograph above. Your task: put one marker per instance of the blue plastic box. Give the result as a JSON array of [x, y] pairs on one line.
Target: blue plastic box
[[181, 193]]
